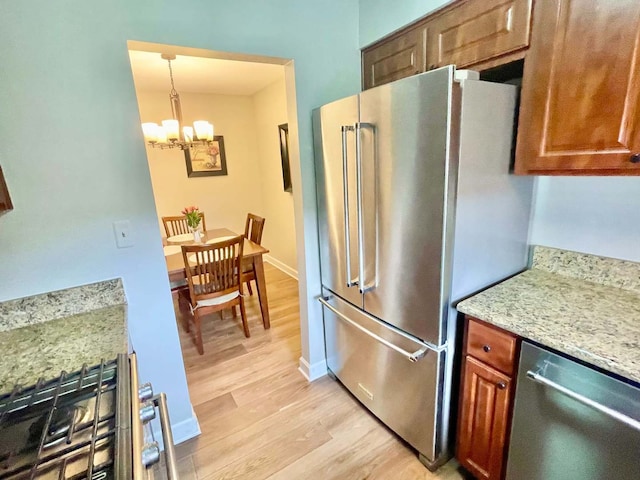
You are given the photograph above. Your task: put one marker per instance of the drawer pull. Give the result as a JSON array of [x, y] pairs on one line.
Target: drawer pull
[[635, 158], [486, 348], [501, 385]]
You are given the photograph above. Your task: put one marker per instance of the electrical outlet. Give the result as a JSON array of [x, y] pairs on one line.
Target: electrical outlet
[[122, 231]]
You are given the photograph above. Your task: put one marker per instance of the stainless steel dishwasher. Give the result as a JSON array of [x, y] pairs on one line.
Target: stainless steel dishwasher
[[572, 422]]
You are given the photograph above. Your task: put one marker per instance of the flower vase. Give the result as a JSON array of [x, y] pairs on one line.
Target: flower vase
[[196, 235]]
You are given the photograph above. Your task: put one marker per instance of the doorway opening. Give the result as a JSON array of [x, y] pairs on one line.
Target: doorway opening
[[244, 169]]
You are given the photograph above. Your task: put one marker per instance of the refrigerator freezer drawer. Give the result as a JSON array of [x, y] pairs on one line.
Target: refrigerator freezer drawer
[[395, 376]]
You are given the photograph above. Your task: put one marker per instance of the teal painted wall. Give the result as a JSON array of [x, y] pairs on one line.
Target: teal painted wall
[[73, 153], [381, 17]]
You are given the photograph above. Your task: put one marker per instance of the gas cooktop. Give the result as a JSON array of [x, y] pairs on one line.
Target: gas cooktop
[[64, 429], [85, 425]]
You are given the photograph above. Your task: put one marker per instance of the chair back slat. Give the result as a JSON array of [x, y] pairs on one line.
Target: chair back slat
[[213, 270], [177, 225], [253, 228]]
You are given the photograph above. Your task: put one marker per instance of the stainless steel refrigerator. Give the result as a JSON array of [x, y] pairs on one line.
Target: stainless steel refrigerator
[[417, 209]]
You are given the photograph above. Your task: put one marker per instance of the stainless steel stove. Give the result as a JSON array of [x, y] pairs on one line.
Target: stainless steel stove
[[84, 425]]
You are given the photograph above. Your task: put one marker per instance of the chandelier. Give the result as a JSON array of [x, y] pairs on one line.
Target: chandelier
[[169, 134]]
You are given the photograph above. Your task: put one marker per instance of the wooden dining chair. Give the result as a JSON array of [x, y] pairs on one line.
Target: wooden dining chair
[[214, 275], [253, 231], [178, 225]]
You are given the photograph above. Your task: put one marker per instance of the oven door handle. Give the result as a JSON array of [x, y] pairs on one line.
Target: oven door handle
[[610, 412], [160, 401]]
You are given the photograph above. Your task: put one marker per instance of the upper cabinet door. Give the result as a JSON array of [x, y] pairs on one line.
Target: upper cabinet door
[[398, 57], [477, 31], [580, 91]]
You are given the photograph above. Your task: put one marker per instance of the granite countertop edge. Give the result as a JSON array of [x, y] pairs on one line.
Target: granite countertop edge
[[552, 324]]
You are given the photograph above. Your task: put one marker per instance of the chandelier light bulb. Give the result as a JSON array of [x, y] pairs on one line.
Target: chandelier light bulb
[[150, 132], [209, 132], [172, 129], [162, 135], [202, 128]]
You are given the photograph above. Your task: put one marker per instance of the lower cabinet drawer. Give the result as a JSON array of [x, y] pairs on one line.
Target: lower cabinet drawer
[[494, 347], [404, 394]]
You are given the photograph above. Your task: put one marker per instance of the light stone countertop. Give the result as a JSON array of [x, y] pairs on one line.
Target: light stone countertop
[[60, 304], [43, 350], [594, 322]]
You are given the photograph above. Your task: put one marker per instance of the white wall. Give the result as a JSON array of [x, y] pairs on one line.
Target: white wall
[[74, 159], [225, 200], [279, 236], [597, 215], [380, 17]]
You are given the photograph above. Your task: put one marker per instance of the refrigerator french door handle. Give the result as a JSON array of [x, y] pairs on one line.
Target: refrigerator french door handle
[[345, 189], [610, 412], [411, 356], [364, 288]]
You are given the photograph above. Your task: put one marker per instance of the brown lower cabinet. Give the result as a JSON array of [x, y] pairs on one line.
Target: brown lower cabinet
[[486, 399]]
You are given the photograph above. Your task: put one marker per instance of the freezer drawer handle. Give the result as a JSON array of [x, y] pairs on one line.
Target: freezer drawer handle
[[621, 417], [345, 190], [412, 357]]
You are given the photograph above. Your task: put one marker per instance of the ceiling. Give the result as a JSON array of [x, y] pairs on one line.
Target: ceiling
[[202, 75]]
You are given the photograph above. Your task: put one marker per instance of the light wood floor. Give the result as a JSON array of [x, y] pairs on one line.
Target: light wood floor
[[261, 419]]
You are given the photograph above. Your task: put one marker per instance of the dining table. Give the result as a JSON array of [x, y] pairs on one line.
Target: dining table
[[251, 252]]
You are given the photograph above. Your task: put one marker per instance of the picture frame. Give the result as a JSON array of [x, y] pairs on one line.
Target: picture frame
[[283, 133], [206, 160]]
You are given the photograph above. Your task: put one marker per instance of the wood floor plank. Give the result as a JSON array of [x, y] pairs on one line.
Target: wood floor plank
[[216, 406], [261, 419], [272, 456]]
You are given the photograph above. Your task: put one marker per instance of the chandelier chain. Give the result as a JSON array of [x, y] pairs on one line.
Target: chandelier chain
[[173, 88]]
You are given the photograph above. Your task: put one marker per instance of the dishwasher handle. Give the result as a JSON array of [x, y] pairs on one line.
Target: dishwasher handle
[[610, 412], [411, 356]]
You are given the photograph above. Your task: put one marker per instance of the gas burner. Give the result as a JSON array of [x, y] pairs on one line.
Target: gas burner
[[85, 425], [63, 429]]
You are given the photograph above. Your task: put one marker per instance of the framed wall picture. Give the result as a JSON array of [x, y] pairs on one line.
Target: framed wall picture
[[206, 160], [283, 130]]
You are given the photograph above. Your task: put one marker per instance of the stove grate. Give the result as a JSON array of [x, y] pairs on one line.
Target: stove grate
[[67, 444]]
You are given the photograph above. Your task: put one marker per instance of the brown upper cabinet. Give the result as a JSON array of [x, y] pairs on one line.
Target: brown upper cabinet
[[399, 56], [467, 33], [480, 33], [580, 91]]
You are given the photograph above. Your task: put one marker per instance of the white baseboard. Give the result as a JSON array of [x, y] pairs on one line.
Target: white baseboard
[[281, 266], [312, 372], [182, 431]]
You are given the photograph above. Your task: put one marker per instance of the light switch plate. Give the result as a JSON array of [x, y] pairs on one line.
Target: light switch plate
[[122, 231]]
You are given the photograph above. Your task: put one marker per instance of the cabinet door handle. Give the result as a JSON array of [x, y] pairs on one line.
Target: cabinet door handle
[[635, 158], [501, 385], [486, 348]]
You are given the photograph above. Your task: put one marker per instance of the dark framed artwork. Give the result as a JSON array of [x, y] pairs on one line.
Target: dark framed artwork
[[283, 131], [206, 159]]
